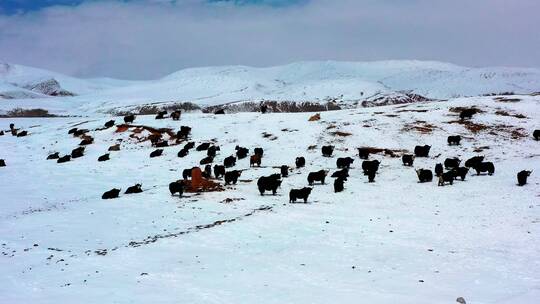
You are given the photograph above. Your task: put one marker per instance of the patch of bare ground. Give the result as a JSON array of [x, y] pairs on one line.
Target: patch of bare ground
[[230, 200], [384, 151], [480, 149], [391, 115], [19, 112], [269, 136], [153, 109], [312, 147], [506, 99], [340, 133], [419, 126], [506, 113], [496, 130], [155, 133], [413, 110], [460, 109]]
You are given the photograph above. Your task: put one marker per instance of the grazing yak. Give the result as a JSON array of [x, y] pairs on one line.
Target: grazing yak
[[338, 184], [370, 165], [269, 183], [536, 134], [109, 124], [284, 171], [22, 134], [87, 140], [161, 144], [219, 171], [114, 147], [255, 159], [203, 147], [129, 118], [327, 151], [484, 167], [156, 153], [258, 151], [422, 151], [446, 177], [407, 159], [303, 193], [184, 132], [177, 187], [78, 152], [363, 153], [300, 162], [343, 173], [72, 130], [241, 152], [467, 113], [113, 193], [212, 150], [2, 163], [176, 115], [207, 160], [454, 140], [451, 163], [64, 159], [1, 133], [207, 172], [80, 132], [190, 145], [424, 175], [471, 162], [229, 161], [344, 162], [104, 157], [371, 175], [460, 172], [134, 189], [219, 112], [231, 177], [522, 177], [264, 109], [161, 115], [317, 176], [439, 170], [183, 153], [186, 173], [54, 155]]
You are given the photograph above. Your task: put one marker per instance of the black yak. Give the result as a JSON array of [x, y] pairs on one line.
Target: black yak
[[460, 172], [183, 152], [231, 177], [255, 159], [407, 159], [344, 162], [424, 175], [371, 175], [467, 113], [484, 167], [303, 193], [363, 153], [343, 173], [114, 147], [451, 163], [207, 172], [264, 109], [522, 177], [317, 176], [471, 162], [88, 140], [156, 153], [219, 112], [72, 130], [370, 165], [186, 173], [64, 159], [241, 152], [113, 193], [176, 115], [454, 140], [78, 152], [129, 118], [190, 145], [177, 187], [54, 155], [422, 151], [219, 171], [300, 162], [134, 189], [184, 132], [207, 160], [212, 150], [161, 115], [536, 134], [161, 144], [338, 184], [104, 157], [22, 134], [109, 124], [284, 171], [439, 169], [79, 132], [269, 183], [229, 161], [327, 151], [203, 147], [446, 177], [258, 151], [2, 163]]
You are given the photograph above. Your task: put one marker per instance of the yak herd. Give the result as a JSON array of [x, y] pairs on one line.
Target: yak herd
[[446, 173]]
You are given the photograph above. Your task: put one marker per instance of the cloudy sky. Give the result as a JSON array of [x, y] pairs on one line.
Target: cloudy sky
[[144, 39]]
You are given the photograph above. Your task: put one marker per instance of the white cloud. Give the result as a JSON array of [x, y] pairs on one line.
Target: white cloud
[[148, 40]]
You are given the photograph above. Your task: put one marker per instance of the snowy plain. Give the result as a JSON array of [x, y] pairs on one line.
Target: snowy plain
[[392, 241]]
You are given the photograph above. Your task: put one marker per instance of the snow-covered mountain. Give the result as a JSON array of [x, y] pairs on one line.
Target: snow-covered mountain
[[346, 83]]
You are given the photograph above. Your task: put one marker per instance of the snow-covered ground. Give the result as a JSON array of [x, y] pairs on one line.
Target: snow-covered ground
[[392, 241], [346, 83]]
